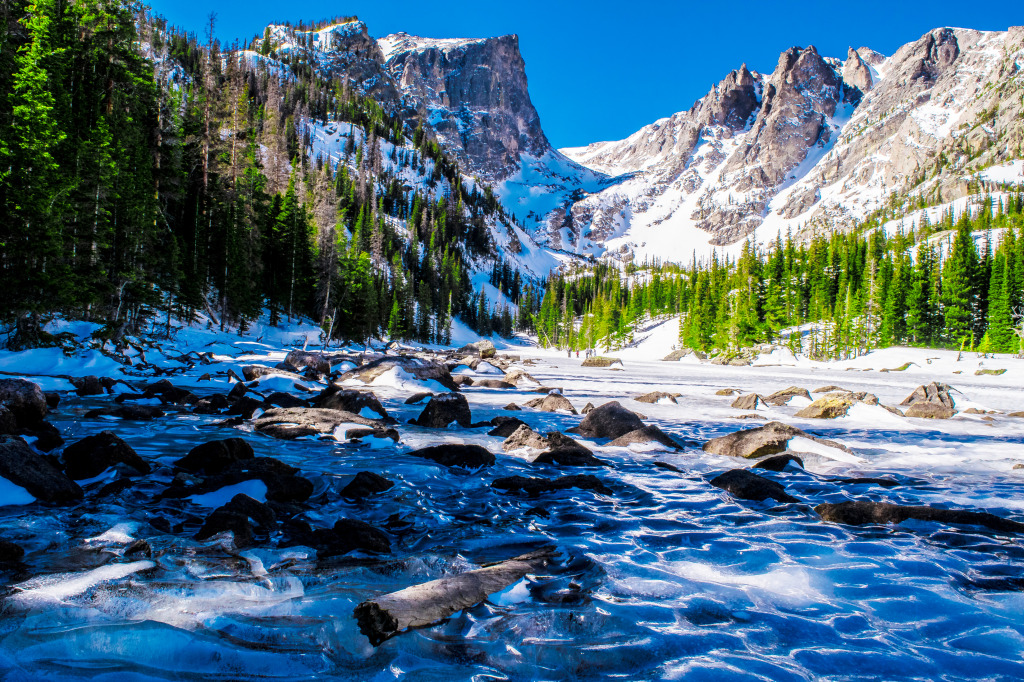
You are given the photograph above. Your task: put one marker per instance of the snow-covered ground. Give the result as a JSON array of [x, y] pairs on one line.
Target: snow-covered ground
[[665, 577]]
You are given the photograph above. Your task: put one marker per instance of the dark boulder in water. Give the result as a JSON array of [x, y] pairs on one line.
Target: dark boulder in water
[[93, 455], [535, 486], [215, 456], [778, 462], [749, 486], [364, 484], [349, 535], [610, 420], [349, 400], [456, 455], [444, 409], [25, 401], [645, 436], [861, 512], [37, 474], [505, 426]]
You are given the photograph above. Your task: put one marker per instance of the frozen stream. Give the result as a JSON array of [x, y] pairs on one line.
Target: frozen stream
[[667, 578]]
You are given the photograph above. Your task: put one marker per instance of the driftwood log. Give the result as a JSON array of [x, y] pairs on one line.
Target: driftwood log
[[420, 605]]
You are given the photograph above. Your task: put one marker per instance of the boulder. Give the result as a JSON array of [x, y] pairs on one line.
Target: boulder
[[91, 456], [364, 484], [830, 389], [726, 391], [10, 553], [830, 406], [657, 397], [169, 393], [587, 409], [525, 437], [564, 451], [420, 605], [535, 486], [492, 383], [238, 516], [481, 349], [282, 481], [138, 413], [254, 372], [750, 401], [552, 402], [746, 485], [282, 399], [349, 535], [300, 359], [505, 426], [783, 397], [92, 385], [929, 410], [418, 398], [8, 423], [770, 439], [37, 474], [456, 455], [512, 407], [444, 409], [348, 400], [611, 420], [934, 392], [860, 512], [989, 372], [237, 392], [52, 399], [289, 423], [778, 462], [518, 375], [646, 435], [597, 361], [421, 368], [216, 456], [24, 400]]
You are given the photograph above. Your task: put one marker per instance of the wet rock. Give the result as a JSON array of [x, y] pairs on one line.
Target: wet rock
[[52, 399], [91, 456], [929, 410], [420, 368], [92, 385], [10, 553], [883, 482], [778, 462], [335, 398], [611, 420], [587, 409], [222, 520], [8, 424], [215, 404], [349, 535], [419, 397], [456, 455], [421, 605], [444, 409], [505, 426], [364, 484], [746, 485], [646, 435], [35, 473], [535, 486], [783, 397], [216, 456], [830, 406], [246, 406], [169, 393], [138, 548], [282, 481], [281, 399], [552, 402], [128, 412], [512, 407], [525, 437], [481, 349], [657, 397], [290, 423], [564, 451], [860, 512], [668, 467], [750, 401], [492, 383], [237, 392], [24, 400], [300, 359]]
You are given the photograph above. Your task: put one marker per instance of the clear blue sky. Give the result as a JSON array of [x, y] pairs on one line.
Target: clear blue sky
[[600, 70]]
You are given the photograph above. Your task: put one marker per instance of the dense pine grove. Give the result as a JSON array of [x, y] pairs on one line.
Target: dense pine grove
[[147, 174], [935, 286]]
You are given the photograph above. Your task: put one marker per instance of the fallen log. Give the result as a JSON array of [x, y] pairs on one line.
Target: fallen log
[[420, 605]]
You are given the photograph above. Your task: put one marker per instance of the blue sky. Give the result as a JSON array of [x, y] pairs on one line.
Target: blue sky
[[600, 70]]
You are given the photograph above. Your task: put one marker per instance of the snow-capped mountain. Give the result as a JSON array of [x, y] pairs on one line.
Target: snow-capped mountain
[[820, 143]]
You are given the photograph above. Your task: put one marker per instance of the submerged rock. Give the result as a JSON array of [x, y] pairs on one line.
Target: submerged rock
[[778, 462], [91, 456], [349, 535], [444, 409], [535, 486], [364, 484], [35, 473], [215, 456], [420, 605], [128, 412], [456, 455], [860, 512], [611, 420], [746, 485]]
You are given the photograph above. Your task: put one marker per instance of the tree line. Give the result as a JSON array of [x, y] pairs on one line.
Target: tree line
[[957, 283]]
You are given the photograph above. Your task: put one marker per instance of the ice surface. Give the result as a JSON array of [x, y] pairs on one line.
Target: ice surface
[[255, 489], [12, 494]]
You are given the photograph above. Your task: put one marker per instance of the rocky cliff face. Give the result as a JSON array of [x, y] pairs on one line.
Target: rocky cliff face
[[818, 144], [474, 94]]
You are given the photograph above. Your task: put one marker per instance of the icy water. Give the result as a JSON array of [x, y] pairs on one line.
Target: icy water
[[666, 578]]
